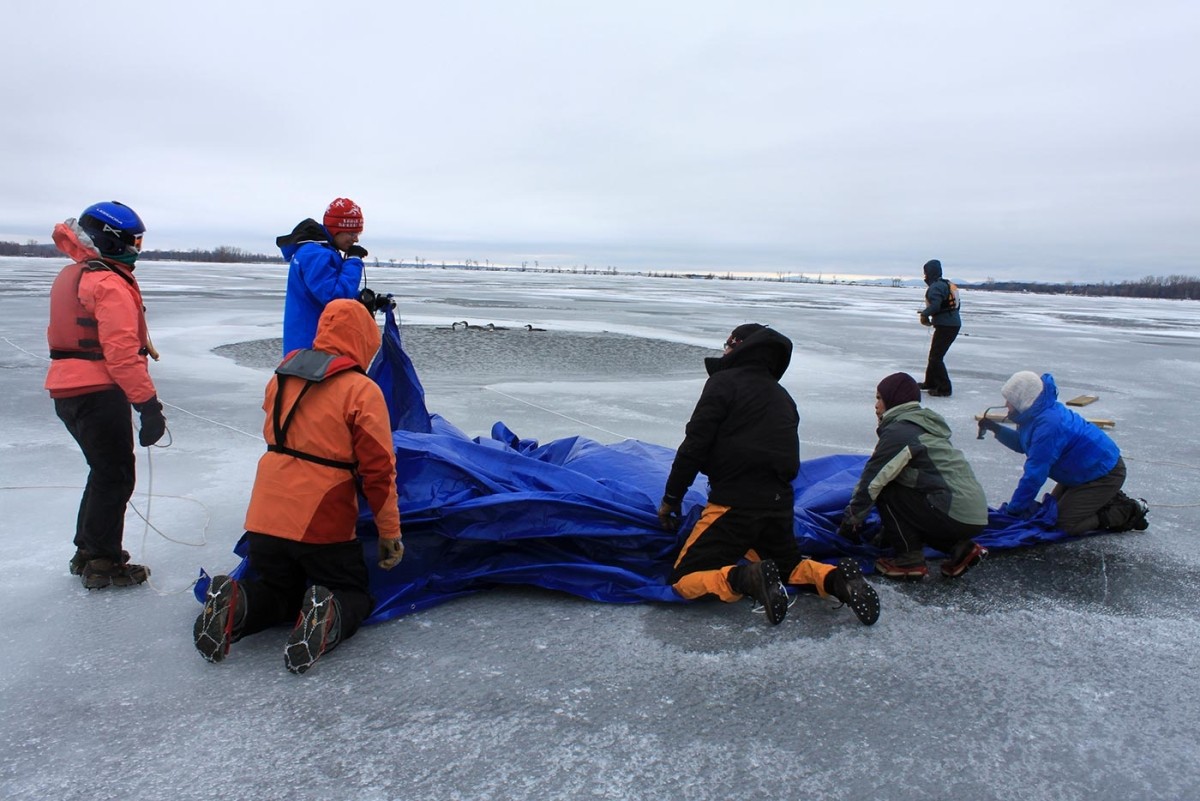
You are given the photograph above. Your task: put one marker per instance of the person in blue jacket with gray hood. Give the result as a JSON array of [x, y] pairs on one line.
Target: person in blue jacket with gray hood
[[1059, 444], [325, 263]]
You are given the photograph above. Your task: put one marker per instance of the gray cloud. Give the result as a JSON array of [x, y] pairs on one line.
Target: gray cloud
[[1018, 140]]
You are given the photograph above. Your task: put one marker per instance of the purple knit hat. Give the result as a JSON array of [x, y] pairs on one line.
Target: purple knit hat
[[898, 388]]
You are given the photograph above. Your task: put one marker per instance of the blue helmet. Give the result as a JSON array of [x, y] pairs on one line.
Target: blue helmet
[[115, 229]]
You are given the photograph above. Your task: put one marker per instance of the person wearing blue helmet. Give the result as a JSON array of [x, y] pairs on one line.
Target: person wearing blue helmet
[[325, 263], [1084, 461], [99, 344]]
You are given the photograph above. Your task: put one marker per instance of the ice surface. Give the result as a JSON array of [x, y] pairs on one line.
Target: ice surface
[[1064, 672]]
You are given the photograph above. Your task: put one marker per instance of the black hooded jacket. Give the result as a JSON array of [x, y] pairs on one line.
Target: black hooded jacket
[[743, 431]]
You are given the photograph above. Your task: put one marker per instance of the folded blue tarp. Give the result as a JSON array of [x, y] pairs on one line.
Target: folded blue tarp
[[572, 515]]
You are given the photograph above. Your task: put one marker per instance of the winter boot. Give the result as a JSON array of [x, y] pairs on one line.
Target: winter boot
[[964, 556], [760, 580], [906, 566], [846, 583], [317, 630], [98, 573], [81, 558], [220, 624], [1123, 513]]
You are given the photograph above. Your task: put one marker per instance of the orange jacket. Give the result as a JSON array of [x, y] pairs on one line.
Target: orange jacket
[[343, 418], [111, 296]]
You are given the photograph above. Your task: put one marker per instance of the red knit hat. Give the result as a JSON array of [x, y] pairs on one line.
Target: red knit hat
[[343, 215]]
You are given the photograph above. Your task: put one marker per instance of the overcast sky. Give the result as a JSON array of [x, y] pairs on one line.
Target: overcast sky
[[1037, 140]]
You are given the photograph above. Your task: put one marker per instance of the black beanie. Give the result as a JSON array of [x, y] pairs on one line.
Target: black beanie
[[743, 331], [898, 388]]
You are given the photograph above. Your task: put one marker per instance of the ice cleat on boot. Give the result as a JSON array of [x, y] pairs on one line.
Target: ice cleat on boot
[[81, 558], [846, 583], [964, 556], [220, 624], [317, 630], [766, 588], [899, 568], [99, 573], [760, 580]]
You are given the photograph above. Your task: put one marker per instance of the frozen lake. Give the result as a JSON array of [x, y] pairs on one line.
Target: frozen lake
[[1062, 672]]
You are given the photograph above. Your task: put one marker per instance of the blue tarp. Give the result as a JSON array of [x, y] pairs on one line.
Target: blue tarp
[[571, 515]]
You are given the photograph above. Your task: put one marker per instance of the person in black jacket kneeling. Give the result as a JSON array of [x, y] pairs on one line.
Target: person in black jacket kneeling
[[743, 436]]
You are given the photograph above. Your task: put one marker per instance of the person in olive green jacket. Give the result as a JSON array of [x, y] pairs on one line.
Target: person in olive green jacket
[[923, 487]]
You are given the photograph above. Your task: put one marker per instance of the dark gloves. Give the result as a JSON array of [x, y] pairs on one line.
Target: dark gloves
[[373, 302], [357, 252], [1022, 512], [925, 319], [390, 553], [154, 425], [849, 530], [987, 424], [668, 515]]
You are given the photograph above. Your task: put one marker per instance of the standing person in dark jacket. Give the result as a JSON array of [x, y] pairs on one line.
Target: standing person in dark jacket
[[742, 435], [325, 263], [924, 488], [98, 368], [941, 312], [1059, 444]]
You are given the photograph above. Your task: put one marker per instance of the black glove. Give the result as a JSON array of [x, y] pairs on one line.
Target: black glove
[[154, 425], [849, 530], [356, 251], [668, 515], [373, 302], [987, 424]]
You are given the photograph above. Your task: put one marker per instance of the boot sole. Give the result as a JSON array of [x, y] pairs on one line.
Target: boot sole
[[863, 600], [957, 570], [306, 643], [212, 630]]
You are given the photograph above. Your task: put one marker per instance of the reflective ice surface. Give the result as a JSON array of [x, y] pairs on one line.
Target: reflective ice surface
[[1062, 672]]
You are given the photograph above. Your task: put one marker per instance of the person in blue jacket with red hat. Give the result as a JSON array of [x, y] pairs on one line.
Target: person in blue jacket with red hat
[[325, 263], [1080, 457]]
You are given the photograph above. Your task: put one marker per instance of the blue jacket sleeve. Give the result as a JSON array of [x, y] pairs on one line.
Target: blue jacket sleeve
[[1009, 438], [327, 276], [1040, 455]]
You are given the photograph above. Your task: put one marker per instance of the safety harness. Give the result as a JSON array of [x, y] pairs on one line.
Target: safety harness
[[313, 367]]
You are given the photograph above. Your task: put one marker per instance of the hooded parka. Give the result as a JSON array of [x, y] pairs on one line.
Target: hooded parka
[[342, 420]]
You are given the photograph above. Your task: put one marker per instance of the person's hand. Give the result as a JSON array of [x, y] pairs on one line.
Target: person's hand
[[925, 319], [154, 425], [987, 424], [849, 530], [390, 552], [668, 516], [356, 251], [373, 302], [1022, 512]]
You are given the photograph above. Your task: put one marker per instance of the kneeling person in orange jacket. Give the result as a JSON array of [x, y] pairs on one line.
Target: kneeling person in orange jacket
[[328, 436]]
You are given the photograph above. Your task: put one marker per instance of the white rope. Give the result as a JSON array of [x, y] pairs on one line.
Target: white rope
[[559, 414]]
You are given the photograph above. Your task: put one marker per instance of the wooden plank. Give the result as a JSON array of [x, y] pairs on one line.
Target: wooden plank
[[999, 417], [1102, 423], [1083, 400]]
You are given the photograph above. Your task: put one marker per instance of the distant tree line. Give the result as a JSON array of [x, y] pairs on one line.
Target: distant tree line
[[1175, 287], [223, 254]]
